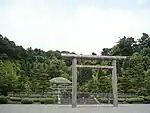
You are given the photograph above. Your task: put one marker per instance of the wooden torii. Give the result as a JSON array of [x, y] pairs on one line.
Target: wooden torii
[[74, 58]]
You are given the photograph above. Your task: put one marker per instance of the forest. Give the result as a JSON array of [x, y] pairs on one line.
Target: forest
[[29, 70]]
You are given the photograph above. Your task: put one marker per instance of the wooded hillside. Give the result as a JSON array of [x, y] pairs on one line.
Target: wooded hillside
[[28, 70]]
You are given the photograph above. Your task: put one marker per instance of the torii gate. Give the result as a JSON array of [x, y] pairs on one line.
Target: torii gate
[[93, 57]]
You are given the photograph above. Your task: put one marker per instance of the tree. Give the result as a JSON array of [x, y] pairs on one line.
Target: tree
[[147, 82], [7, 78], [106, 51], [55, 67], [26, 70], [84, 75], [44, 82], [124, 47], [93, 53]]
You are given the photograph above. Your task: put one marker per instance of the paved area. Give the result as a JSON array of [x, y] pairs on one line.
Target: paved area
[[124, 108]]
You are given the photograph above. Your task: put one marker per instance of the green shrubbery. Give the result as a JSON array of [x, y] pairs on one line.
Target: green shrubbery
[[146, 99], [48, 101], [36, 99], [121, 100], [42, 101], [125, 100], [27, 101], [134, 100], [15, 99], [3, 100], [103, 100], [52, 100]]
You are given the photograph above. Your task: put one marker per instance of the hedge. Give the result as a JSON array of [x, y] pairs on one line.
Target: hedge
[[52, 100], [123, 100], [3, 100], [103, 100], [36, 99], [15, 99], [27, 101], [42, 101], [48, 101], [134, 100], [146, 99]]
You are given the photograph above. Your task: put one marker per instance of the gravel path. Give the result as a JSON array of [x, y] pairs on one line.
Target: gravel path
[[124, 108]]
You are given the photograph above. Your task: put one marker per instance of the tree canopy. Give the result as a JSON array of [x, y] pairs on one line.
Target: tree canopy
[[29, 70]]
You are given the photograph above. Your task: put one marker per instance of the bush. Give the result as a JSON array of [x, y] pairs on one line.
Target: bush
[[147, 98], [103, 100], [15, 99], [8, 97], [121, 100], [3, 100], [14, 102], [142, 91], [124, 102], [48, 101], [42, 101], [131, 91], [141, 97], [27, 101], [134, 100], [36, 99]]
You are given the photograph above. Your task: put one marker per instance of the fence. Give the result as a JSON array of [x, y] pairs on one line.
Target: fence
[[68, 94]]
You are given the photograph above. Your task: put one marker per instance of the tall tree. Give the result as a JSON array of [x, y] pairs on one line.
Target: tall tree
[[44, 82]]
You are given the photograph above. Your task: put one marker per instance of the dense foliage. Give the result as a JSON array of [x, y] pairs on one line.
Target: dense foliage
[[27, 101], [28, 70]]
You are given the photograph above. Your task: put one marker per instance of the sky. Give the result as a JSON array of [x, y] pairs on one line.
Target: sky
[[81, 26]]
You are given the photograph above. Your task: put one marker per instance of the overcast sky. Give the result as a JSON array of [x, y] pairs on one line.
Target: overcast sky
[[81, 26]]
